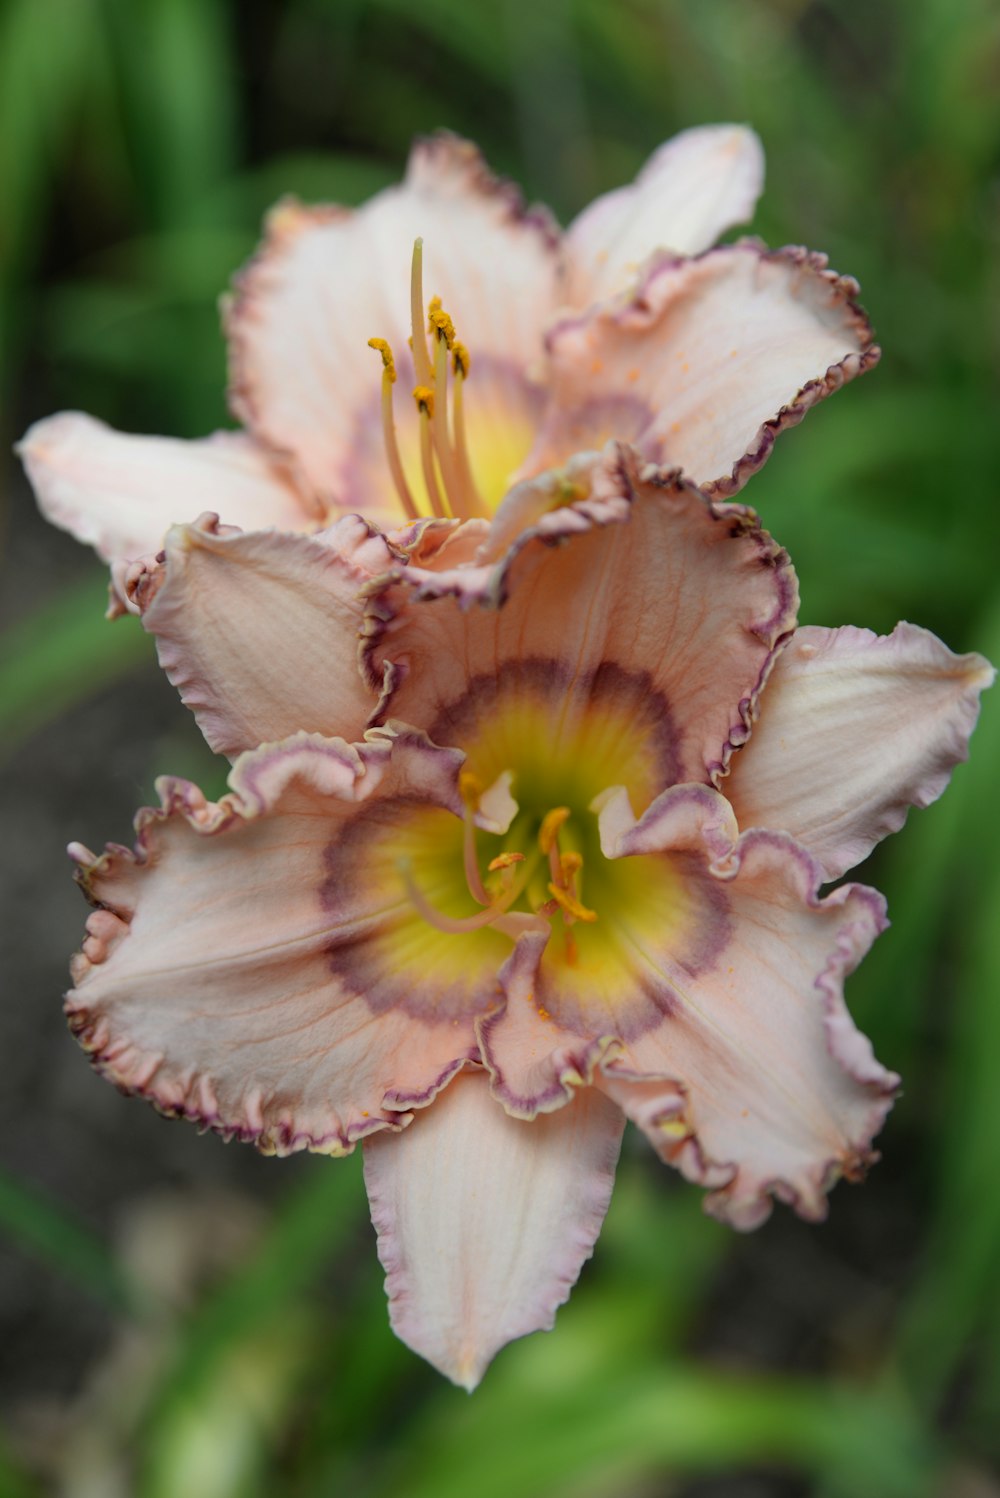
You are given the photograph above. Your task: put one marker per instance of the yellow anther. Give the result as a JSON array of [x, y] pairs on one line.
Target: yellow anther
[[571, 905], [470, 788], [434, 305], [424, 397], [460, 360], [504, 861], [388, 362], [674, 1128], [549, 830], [439, 322], [570, 864]]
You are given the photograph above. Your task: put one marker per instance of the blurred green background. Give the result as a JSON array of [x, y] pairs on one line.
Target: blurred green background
[[180, 1317]]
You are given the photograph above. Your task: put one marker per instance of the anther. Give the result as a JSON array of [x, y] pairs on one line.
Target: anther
[[571, 905], [440, 323], [504, 861], [460, 360], [388, 362], [424, 397]]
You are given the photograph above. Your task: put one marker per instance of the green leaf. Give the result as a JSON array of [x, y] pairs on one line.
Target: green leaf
[[38, 1225], [63, 654], [176, 76], [543, 1439], [313, 1224], [13, 1482], [958, 1282]]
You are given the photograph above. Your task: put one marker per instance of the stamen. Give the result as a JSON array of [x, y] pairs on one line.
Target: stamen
[[424, 397], [389, 428], [421, 361], [474, 502], [440, 322], [571, 905], [549, 830], [504, 861]]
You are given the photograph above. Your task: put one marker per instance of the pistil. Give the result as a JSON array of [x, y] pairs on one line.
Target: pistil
[[455, 925], [421, 362]]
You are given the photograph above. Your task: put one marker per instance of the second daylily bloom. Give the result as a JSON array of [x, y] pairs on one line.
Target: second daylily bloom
[[560, 880], [627, 326]]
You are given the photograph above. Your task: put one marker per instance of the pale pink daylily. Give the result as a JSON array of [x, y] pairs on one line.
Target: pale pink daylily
[[560, 878], [627, 326]]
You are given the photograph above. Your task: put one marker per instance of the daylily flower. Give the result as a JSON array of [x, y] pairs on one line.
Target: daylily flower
[[628, 325], [563, 879]]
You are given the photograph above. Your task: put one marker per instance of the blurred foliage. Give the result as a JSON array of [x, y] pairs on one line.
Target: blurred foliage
[[139, 146]]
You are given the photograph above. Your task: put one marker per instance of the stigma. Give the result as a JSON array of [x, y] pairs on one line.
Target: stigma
[[441, 366]]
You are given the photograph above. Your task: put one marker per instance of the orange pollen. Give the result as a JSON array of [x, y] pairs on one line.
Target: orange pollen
[[388, 362], [440, 323], [504, 861], [571, 905]]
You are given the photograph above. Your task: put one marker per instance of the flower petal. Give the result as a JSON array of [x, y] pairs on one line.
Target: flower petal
[[661, 609], [756, 1082], [215, 979], [121, 493], [856, 728], [485, 1221], [326, 280], [707, 364], [258, 632], [693, 188]]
